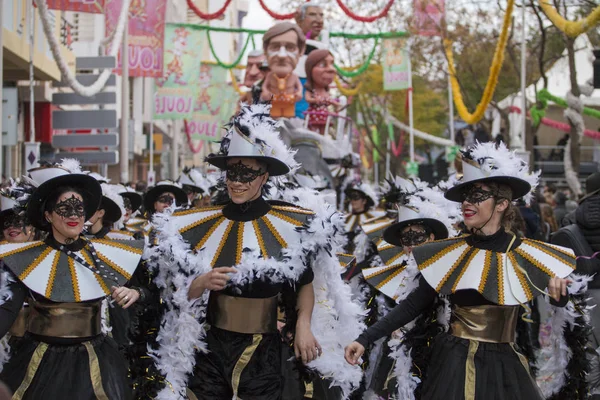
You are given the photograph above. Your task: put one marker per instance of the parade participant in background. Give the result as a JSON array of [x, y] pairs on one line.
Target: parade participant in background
[[160, 197], [486, 275], [194, 185], [283, 44], [320, 73], [309, 18], [132, 201], [64, 353], [248, 253], [424, 215], [15, 229]]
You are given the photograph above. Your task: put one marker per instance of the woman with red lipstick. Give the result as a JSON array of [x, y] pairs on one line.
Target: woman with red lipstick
[[487, 275], [64, 353]]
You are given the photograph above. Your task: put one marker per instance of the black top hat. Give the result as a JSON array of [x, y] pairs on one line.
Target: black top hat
[[50, 178], [112, 211], [135, 199]]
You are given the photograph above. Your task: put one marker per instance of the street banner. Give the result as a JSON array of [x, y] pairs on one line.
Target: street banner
[[146, 31], [176, 90], [215, 104], [396, 64], [428, 17], [84, 6]]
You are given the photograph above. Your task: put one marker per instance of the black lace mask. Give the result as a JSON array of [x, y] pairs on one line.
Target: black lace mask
[[239, 172], [127, 203], [165, 199], [71, 207], [476, 195], [413, 238], [13, 221]]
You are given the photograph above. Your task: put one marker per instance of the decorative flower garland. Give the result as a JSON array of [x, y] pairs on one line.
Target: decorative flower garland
[[362, 68], [275, 15], [221, 63], [561, 126], [490, 86], [356, 17], [570, 28], [354, 36], [65, 71], [194, 149], [208, 16], [543, 96], [347, 91]]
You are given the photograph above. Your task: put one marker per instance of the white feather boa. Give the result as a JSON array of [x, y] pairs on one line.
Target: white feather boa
[[334, 320], [554, 357], [5, 295]]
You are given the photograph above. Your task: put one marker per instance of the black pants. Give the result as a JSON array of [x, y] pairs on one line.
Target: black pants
[[245, 365]]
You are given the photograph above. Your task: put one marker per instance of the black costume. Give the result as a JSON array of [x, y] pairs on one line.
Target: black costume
[[478, 358], [64, 353]]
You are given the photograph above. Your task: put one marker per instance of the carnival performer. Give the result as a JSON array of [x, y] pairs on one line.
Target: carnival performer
[[423, 215], [15, 229], [487, 276], [248, 254], [194, 185], [64, 353], [132, 202], [160, 197]]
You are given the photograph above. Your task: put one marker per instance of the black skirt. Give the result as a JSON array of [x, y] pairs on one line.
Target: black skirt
[[500, 372], [89, 370]]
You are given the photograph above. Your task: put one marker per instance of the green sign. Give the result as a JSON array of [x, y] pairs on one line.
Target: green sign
[[412, 169], [396, 65], [176, 90]]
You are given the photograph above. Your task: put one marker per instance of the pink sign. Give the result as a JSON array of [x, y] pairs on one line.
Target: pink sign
[[428, 16], [86, 6], [146, 35]]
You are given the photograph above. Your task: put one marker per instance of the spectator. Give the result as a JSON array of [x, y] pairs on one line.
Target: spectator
[[560, 208], [141, 187], [559, 154], [531, 216], [549, 224], [549, 191]]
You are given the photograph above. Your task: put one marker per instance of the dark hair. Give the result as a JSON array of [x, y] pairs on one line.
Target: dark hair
[[141, 186], [504, 192]]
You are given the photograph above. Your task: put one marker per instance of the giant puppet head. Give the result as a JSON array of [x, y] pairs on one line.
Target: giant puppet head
[[320, 71], [310, 19], [283, 44], [254, 68]]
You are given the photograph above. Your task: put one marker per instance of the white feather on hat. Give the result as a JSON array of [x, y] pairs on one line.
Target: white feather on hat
[[112, 192]]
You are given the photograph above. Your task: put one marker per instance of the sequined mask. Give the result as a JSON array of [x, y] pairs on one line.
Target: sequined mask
[[165, 199], [71, 207], [476, 195], [239, 172], [412, 238]]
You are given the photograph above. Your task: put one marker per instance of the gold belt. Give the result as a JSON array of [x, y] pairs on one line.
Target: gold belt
[[19, 327], [242, 314], [65, 320], [489, 323]]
